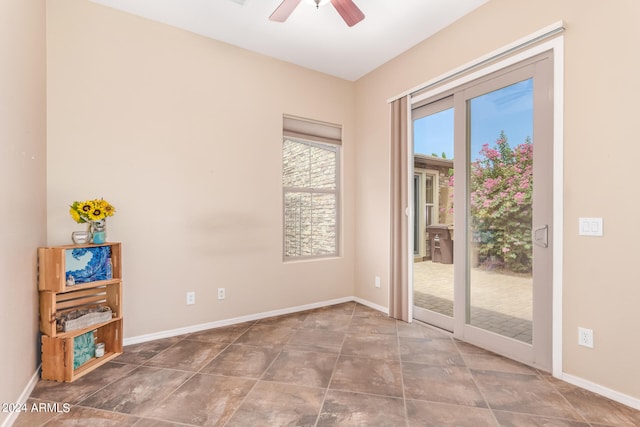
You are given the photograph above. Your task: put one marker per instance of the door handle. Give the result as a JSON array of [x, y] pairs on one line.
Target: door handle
[[541, 236]]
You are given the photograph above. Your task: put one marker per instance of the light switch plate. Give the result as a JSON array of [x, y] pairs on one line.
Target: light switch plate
[[590, 227]]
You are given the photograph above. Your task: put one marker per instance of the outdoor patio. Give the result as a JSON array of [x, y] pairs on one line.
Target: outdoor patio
[[500, 303]]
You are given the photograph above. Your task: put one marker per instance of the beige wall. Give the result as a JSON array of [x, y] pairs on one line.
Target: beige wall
[[183, 136], [600, 285], [22, 189]]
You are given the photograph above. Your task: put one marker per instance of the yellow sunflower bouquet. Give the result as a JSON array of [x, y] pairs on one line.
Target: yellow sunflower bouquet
[[91, 210]]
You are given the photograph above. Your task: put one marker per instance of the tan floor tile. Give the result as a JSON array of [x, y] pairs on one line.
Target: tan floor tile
[[336, 320], [138, 392], [266, 335], [317, 340], [466, 348], [371, 345], [32, 416], [150, 422], [204, 400], [417, 329], [364, 311], [431, 414], [373, 376], [373, 325], [347, 308], [275, 404], [441, 352], [226, 334], [83, 387], [444, 384], [302, 367], [493, 362], [511, 419], [80, 416], [187, 355], [597, 409], [294, 320], [242, 361], [137, 354], [529, 394], [354, 409]]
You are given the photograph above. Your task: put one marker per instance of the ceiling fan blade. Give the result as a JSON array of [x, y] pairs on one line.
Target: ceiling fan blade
[[349, 11], [283, 11]]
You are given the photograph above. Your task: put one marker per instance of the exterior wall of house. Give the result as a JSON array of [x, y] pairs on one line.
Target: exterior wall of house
[[22, 189], [600, 288], [445, 191], [443, 194], [183, 135]]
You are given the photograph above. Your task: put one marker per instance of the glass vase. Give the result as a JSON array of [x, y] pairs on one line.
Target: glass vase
[[99, 231], [81, 237]]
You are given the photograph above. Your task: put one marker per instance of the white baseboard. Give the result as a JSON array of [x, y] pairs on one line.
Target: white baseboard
[[249, 318], [23, 398], [369, 304], [602, 391]]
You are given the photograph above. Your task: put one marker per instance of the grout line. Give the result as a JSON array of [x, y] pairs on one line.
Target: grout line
[[136, 367], [257, 381], [404, 392], [557, 390], [333, 372], [475, 382], [171, 393]]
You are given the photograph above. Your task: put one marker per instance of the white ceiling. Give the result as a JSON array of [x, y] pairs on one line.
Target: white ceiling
[[317, 39]]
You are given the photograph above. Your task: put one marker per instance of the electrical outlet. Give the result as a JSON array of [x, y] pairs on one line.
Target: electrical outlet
[[585, 337], [191, 298], [221, 293], [377, 281]]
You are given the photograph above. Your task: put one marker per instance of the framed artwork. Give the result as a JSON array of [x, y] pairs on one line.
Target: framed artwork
[[90, 264]]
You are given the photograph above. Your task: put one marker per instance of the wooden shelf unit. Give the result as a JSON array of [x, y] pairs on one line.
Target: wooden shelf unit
[[52, 267], [57, 352], [56, 298]]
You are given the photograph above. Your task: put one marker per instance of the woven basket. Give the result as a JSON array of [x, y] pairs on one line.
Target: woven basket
[[87, 320]]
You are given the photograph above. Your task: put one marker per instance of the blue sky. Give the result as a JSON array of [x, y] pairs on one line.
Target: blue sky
[[509, 109]]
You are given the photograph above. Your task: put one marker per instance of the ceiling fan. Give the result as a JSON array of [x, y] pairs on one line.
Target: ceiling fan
[[346, 8]]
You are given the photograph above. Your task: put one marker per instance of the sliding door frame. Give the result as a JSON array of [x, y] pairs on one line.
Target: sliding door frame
[[520, 51]]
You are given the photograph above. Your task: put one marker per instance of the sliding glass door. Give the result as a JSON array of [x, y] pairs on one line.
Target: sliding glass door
[[486, 269], [433, 212]]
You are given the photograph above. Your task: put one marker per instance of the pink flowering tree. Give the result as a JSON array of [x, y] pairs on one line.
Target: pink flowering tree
[[500, 203]]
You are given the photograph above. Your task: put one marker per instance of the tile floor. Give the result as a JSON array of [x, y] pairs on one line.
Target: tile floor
[[343, 365]]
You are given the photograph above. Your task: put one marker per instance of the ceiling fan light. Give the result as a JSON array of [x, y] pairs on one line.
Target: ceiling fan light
[[317, 4]]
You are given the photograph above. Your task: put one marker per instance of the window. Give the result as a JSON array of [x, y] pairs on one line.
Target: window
[[426, 193], [311, 188]]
